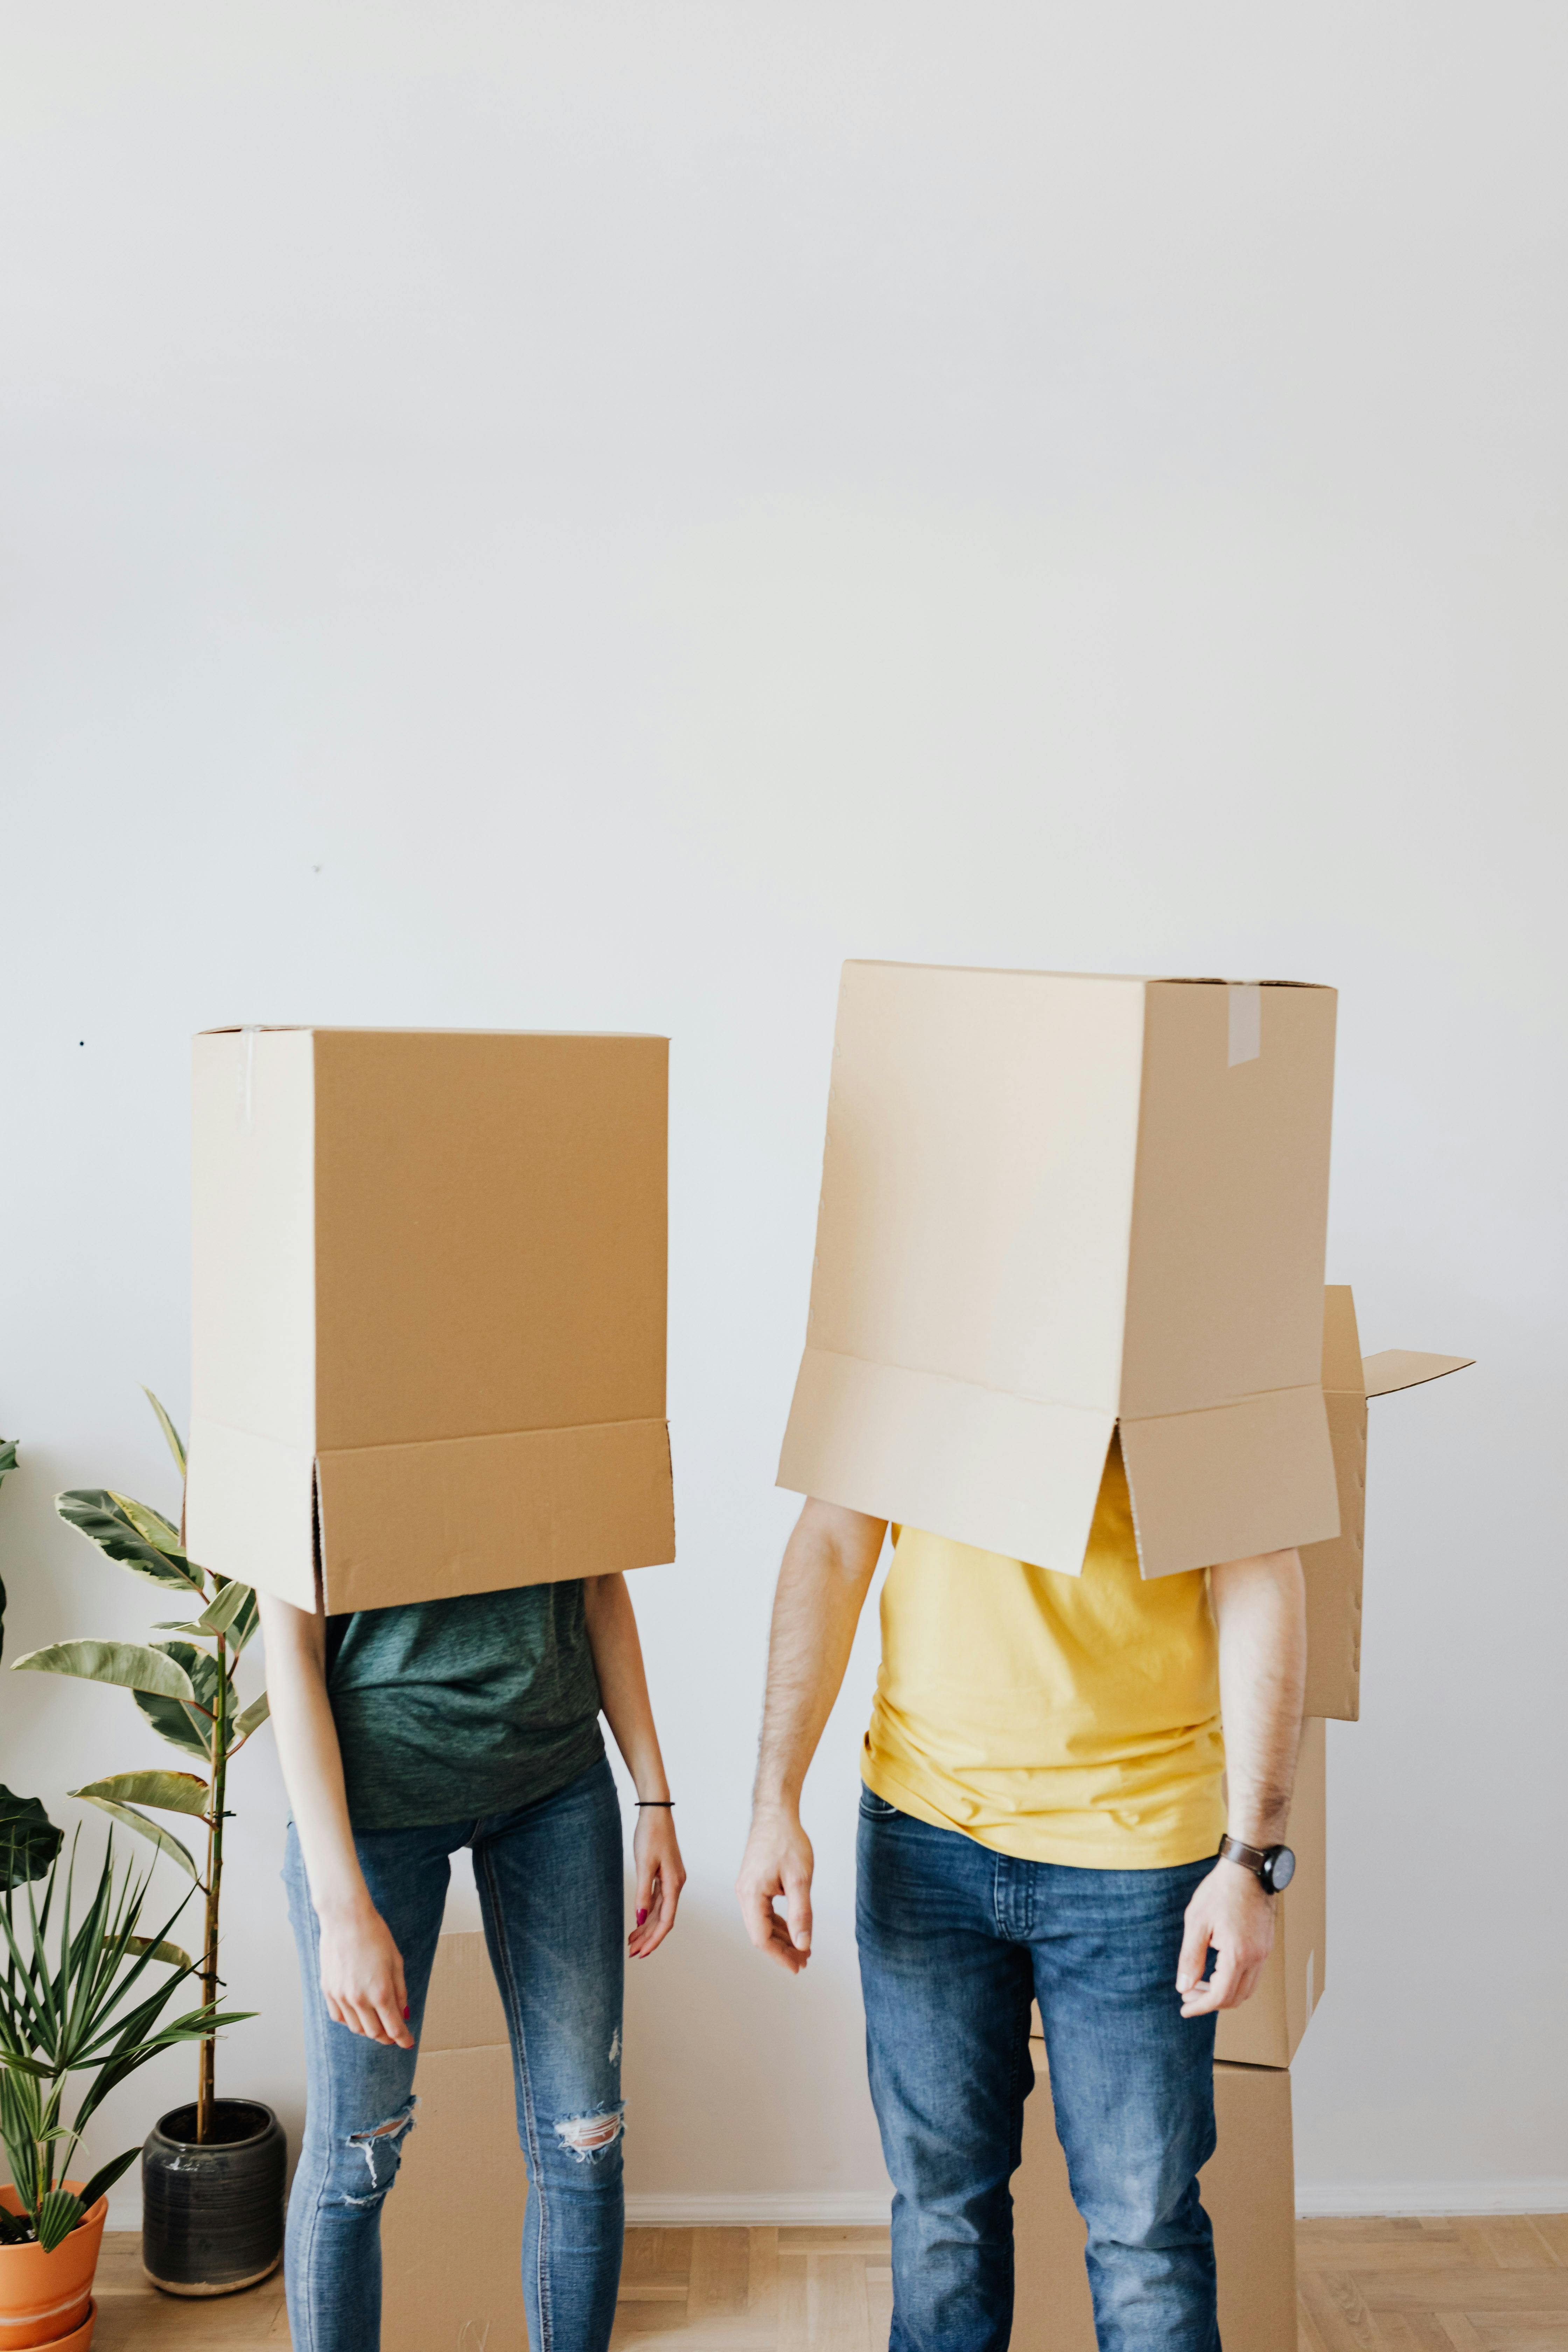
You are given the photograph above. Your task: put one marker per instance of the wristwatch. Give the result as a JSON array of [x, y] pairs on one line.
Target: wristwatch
[[1273, 1866]]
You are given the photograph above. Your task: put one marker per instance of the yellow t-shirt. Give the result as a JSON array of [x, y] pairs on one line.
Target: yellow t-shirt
[[1061, 1719]]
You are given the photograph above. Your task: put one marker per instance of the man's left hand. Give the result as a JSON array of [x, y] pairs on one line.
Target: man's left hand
[[1231, 1912]]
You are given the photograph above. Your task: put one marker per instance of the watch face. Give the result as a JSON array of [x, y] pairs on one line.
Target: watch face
[[1281, 1868]]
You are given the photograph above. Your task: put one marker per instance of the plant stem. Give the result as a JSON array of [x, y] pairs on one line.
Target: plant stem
[[205, 2081]]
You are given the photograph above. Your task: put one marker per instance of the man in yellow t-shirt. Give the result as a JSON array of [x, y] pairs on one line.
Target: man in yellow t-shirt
[[1046, 1791]]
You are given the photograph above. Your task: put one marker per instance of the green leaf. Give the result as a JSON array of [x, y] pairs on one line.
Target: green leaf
[[130, 1665], [28, 1839], [181, 1726], [59, 2213], [222, 1611], [251, 1718], [151, 1525], [160, 1951], [175, 1441], [102, 1516], [104, 2179], [128, 1816], [174, 1792]]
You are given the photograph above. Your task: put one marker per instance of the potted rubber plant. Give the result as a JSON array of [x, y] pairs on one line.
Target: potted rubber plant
[[213, 2169], [76, 1999]]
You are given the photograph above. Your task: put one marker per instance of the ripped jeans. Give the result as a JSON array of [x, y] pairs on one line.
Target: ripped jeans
[[550, 1884]]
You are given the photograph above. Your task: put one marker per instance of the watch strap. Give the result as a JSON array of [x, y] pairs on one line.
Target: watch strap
[[1251, 1857]]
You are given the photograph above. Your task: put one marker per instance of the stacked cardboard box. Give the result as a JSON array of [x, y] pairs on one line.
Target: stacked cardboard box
[[451, 2229], [1054, 1206], [1249, 2187]]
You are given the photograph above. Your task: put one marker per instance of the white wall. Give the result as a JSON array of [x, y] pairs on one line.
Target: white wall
[[586, 517]]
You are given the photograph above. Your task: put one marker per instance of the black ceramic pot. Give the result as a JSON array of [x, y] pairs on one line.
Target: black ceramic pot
[[212, 2209]]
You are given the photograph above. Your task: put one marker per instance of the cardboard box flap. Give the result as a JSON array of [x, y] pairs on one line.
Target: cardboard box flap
[[458, 1514], [1405, 1368], [250, 1503], [463, 2008], [1230, 1481], [879, 1439]]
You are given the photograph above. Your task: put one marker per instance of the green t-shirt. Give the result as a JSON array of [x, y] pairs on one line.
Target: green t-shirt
[[452, 1709]]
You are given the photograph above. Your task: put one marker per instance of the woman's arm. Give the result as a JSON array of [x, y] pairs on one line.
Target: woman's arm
[[622, 1694], [362, 1968]]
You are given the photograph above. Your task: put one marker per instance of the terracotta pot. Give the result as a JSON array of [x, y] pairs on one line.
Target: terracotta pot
[[47, 2299]]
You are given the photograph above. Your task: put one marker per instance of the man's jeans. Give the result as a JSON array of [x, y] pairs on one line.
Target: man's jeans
[[548, 1877], [955, 1941]]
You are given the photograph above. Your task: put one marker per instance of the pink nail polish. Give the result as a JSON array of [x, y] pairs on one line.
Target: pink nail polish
[[642, 1918], [405, 2017]]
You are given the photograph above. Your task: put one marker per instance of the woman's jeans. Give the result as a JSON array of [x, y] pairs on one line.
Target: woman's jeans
[[955, 1941], [548, 1877]]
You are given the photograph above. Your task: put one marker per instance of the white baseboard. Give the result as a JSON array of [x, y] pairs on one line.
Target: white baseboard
[[765, 2208], [1318, 2201], [758, 2209]]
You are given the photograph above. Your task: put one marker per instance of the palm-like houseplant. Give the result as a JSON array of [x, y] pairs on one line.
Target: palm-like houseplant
[[185, 1688], [73, 2012]]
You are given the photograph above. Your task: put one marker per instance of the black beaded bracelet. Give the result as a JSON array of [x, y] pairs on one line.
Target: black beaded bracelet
[[665, 1804]]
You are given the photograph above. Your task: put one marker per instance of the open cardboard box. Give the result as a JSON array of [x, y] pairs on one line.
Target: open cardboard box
[[1249, 2189], [1052, 1204], [1333, 1567], [451, 2231], [429, 1310]]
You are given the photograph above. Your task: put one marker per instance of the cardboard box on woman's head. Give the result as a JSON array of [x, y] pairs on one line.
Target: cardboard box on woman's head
[[428, 1306], [1055, 1204]]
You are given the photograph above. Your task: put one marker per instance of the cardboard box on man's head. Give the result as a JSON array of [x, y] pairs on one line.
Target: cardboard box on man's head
[[429, 1310], [1053, 1204]]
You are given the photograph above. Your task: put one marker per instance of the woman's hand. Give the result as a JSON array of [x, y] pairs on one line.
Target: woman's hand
[[362, 1976], [661, 1875]]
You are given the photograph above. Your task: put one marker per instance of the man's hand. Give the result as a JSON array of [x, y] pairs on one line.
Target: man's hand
[[1231, 1912], [776, 1867]]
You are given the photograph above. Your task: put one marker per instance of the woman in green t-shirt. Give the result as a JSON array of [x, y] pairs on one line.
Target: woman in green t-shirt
[[405, 1733]]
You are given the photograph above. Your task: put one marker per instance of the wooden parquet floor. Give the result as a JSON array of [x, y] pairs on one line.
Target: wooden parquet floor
[[1497, 2284]]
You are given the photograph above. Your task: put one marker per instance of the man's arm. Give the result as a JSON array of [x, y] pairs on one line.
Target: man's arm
[[1260, 1610], [827, 1568]]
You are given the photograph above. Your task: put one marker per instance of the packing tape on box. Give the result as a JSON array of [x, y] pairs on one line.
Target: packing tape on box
[[1245, 1006]]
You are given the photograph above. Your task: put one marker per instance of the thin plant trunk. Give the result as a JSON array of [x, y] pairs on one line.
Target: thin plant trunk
[[205, 2081]]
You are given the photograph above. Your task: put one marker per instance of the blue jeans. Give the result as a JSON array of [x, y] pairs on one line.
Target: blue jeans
[[954, 1942], [548, 1877]]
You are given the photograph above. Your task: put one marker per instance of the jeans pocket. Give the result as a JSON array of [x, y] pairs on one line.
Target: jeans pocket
[[874, 1808]]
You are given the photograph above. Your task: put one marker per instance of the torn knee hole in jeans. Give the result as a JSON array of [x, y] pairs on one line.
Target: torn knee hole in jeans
[[381, 2148], [590, 2135]]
